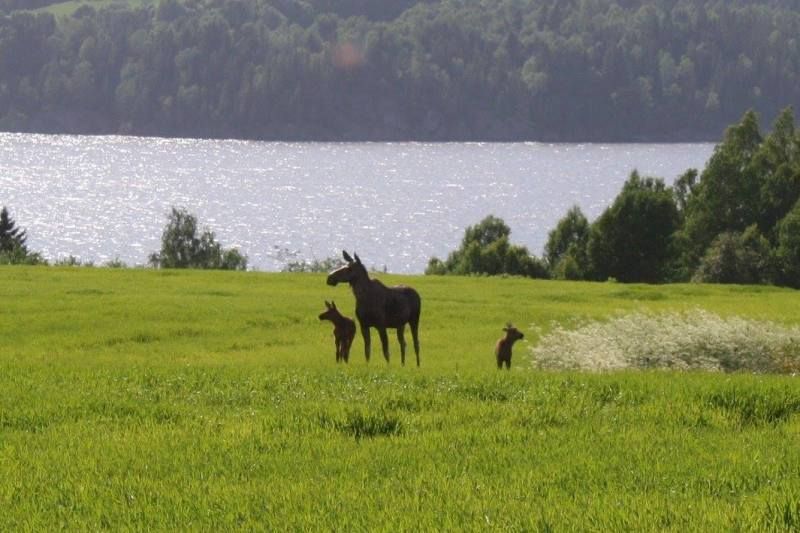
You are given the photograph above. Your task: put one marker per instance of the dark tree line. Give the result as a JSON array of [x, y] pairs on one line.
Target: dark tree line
[[400, 69], [737, 221]]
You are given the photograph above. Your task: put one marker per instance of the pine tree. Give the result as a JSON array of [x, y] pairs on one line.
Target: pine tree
[[11, 237]]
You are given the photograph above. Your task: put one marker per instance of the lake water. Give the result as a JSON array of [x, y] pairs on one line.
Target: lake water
[[395, 204]]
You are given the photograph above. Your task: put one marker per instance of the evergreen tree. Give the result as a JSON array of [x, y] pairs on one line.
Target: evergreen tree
[[12, 238]]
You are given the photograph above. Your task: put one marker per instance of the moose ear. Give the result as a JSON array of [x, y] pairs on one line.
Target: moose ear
[[347, 256], [357, 258]]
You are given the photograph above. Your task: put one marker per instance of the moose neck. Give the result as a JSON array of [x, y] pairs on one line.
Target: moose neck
[[360, 285], [337, 318]]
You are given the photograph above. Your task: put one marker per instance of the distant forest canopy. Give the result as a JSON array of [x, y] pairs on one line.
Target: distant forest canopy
[[569, 70]]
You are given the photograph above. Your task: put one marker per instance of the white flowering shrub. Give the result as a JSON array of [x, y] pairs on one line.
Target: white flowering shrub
[[682, 341]]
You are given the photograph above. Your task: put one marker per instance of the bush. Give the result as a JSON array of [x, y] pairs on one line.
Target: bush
[[182, 248], [569, 267], [72, 261], [736, 258], [317, 265], [681, 341], [21, 256], [486, 249], [115, 263]]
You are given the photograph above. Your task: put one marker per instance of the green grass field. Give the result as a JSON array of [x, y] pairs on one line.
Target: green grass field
[[163, 400], [67, 8]]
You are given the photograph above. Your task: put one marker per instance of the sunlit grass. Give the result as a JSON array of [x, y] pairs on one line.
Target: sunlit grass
[[138, 399], [62, 9]]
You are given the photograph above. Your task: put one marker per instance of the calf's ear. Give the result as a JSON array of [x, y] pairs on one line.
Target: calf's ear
[[347, 256]]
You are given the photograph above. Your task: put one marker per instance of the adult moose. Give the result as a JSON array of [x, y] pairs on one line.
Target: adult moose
[[379, 306]]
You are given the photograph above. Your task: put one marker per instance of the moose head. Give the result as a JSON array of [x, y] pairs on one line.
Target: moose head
[[353, 270]]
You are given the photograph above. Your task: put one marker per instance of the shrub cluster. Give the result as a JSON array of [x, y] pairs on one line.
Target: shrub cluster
[[681, 341]]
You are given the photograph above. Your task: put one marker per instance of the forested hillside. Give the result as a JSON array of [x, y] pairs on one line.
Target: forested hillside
[[399, 69]]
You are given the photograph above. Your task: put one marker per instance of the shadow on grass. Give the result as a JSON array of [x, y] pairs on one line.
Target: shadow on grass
[[362, 425]]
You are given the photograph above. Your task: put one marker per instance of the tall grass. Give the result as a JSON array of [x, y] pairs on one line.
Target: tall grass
[[158, 400]]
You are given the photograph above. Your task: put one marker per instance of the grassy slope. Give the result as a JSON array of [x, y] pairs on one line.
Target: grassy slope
[[142, 399], [69, 7]]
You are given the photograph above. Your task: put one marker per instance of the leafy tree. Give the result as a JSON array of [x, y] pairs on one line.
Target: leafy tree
[[486, 249], [684, 187], [788, 249], [566, 248], [181, 247], [749, 184], [778, 165], [725, 198], [632, 240]]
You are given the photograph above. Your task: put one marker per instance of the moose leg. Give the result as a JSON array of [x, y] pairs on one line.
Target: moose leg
[[414, 327], [346, 348], [365, 334], [401, 338], [384, 343]]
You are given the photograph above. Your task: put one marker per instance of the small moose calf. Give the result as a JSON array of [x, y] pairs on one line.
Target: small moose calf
[[344, 330], [503, 348]]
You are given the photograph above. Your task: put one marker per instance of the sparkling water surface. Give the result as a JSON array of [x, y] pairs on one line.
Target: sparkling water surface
[[100, 198]]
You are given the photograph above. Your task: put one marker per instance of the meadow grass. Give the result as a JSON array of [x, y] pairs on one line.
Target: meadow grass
[[67, 8], [163, 400]]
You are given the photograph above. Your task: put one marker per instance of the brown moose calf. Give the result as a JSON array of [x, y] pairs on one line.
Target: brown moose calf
[[344, 330], [503, 348]]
